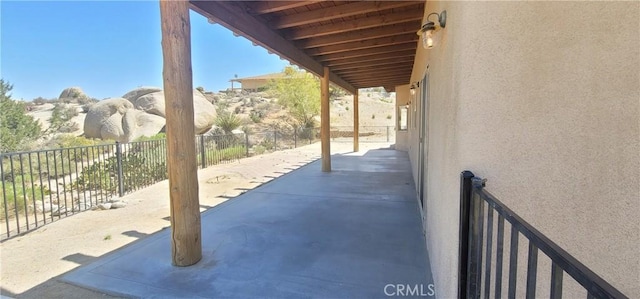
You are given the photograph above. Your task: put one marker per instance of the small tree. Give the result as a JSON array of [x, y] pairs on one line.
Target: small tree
[[299, 92], [17, 129]]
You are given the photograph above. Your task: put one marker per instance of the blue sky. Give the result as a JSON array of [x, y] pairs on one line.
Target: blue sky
[[110, 47]]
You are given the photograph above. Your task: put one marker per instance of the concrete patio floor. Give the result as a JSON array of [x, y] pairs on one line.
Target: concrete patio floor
[[351, 233]]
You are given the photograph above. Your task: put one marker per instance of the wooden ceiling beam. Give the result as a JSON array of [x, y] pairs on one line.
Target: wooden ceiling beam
[[390, 85], [335, 12], [235, 19], [365, 34], [383, 51], [379, 83], [406, 40], [401, 72], [381, 77], [403, 66], [371, 58], [372, 63], [264, 7], [357, 24]]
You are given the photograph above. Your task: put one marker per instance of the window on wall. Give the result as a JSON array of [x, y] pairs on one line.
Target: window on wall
[[403, 114]]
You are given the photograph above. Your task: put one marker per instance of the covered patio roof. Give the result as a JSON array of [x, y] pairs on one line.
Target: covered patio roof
[[364, 43]]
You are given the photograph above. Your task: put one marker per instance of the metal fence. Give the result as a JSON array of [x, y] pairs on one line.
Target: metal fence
[[366, 133], [39, 187], [482, 254]]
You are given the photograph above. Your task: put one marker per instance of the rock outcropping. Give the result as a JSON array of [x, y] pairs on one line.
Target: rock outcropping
[[116, 119], [151, 100], [140, 112]]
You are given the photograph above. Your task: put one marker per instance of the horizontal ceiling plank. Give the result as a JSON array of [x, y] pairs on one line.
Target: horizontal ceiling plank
[[381, 78], [380, 83], [383, 51], [369, 58], [390, 86], [334, 12], [234, 19], [404, 39], [263, 7], [352, 36], [403, 66], [357, 24], [373, 63], [375, 74]]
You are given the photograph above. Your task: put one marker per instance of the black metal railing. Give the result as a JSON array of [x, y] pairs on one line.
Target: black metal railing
[[39, 187], [365, 133], [478, 209]]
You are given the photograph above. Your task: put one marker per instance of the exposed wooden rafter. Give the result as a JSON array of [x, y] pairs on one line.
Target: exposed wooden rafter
[[388, 61], [332, 13], [236, 20], [410, 38], [352, 36], [371, 58], [264, 7], [361, 23], [384, 51]]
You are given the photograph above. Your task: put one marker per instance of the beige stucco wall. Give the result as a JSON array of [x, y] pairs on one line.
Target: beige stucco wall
[[254, 84], [402, 98], [543, 100]]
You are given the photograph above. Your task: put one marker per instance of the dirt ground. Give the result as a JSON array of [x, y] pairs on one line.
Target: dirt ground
[[30, 265]]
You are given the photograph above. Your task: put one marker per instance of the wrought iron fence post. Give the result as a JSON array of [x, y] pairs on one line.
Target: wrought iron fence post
[[463, 249], [120, 174], [202, 152], [246, 142]]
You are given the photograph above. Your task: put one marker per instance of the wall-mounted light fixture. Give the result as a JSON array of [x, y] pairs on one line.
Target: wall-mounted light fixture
[[429, 30], [413, 88]]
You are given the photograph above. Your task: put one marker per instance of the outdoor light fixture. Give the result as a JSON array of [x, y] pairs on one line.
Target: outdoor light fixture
[[429, 29], [414, 86]]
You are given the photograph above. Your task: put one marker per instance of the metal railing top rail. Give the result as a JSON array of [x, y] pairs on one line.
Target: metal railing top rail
[[59, 148], [594, 284]]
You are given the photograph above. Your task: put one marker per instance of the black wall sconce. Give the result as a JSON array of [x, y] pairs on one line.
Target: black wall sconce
[[429, 30]]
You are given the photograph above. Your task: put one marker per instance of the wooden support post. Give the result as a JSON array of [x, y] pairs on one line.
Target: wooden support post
[[356, 123], [324, 121], [186, 244]]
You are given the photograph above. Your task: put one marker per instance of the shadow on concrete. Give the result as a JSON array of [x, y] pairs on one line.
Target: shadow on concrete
[[79, 258], [135, 234]]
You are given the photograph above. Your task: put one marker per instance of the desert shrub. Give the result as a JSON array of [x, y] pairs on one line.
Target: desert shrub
[[256, 116], [139, 168], [69, 140], [389, 116], [228, 122], [16, 190], [159, 136], [373, 116]]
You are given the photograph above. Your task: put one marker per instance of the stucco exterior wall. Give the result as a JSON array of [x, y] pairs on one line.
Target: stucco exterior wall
[[254, 84], [402, 98], [543, 100]]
